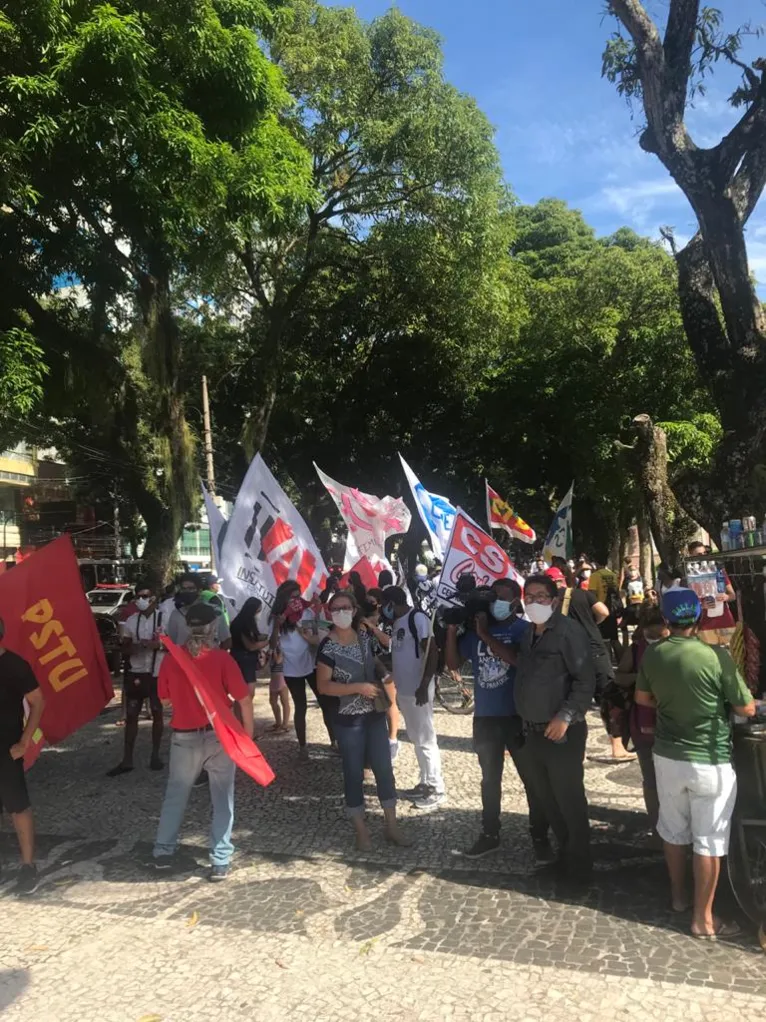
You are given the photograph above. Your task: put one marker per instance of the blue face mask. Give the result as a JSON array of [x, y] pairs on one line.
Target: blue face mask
[[502, 610], [388, 612]]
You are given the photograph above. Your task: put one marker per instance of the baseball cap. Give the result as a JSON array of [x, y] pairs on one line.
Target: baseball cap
[[200, 614], [421, 571], [681, 607], [556, 574]]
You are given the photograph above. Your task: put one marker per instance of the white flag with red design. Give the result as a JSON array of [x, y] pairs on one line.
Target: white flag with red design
[[471, 551], [370, 521], [266, 543]]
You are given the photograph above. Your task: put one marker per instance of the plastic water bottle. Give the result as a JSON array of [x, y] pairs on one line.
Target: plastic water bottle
[[725, 537]]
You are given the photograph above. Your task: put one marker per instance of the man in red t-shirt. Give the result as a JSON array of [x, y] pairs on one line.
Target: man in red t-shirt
[[715, 630], [195, 746]]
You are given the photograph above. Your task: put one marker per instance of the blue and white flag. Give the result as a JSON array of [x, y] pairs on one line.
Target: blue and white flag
[[437, 512]]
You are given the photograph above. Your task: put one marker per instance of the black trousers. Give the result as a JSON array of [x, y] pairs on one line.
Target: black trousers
[[327, 704], [555, 772], [491, 737]]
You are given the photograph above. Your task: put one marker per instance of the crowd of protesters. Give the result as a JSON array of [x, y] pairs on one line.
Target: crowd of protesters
[[576, 637]]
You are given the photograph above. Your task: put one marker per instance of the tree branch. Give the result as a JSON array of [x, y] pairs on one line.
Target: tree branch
[[677, 48]]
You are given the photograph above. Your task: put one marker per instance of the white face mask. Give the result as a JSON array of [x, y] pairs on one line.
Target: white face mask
[[143, 603], [342, 618], [539, 613], [586, 573]]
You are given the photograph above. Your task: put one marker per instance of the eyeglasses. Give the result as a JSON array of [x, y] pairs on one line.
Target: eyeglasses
[[544, 598]]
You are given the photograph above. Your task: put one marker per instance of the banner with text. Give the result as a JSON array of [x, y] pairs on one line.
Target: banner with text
[[48, 621], [470, 551], [500, 515], [437, 512], [370, 521], [266, 543], [558, 542]]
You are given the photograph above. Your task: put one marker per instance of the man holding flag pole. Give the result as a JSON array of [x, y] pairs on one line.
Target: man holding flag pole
[[200, 694]]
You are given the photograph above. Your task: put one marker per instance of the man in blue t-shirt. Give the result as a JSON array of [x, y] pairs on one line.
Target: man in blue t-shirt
[[496, 725]]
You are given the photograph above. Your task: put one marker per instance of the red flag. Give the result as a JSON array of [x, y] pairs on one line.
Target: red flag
[[230, 733], [366, 572], [501, 515], [48, 621]]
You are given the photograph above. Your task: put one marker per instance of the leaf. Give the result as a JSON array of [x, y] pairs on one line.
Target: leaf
[[192, 920]]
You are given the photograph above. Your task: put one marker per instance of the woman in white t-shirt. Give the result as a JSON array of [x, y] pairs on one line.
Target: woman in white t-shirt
[[296, 635]]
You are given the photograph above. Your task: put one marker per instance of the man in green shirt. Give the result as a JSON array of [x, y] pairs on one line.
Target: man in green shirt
[[693, 687]]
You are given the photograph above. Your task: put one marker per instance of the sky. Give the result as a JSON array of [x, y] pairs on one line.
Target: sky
[[534, 67]]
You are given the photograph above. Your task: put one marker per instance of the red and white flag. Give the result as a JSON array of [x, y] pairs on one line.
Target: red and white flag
[[500, 515], [370, 520], [471, 551], [266, 542]]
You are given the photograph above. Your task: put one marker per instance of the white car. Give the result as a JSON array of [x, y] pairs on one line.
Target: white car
[[106, 601]]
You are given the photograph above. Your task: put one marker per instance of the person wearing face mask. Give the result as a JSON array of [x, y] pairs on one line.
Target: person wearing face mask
[[414, 660], [491, 647], [195, 748], [348, 672], [651, 629], [296, 635], [141, 644], [555, 683], [187, 594]]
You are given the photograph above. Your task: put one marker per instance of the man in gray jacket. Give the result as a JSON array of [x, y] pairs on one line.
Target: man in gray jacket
[[555, 682]]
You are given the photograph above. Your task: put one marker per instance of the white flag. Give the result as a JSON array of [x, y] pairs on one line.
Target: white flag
[[216, 523], [558, 542], [370, 521], [437, 512], [266, 543]]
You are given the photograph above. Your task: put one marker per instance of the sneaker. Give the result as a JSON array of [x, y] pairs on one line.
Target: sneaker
[[28, 881], [543, 850], [163, 861], [218, 873], [419, 791], [430, 801], [486, 844]]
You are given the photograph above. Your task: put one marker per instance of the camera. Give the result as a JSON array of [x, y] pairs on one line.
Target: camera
[[473, 600]]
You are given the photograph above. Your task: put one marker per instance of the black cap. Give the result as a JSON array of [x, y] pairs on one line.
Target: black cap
[[200, 614]]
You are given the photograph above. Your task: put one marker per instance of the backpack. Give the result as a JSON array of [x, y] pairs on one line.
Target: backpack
[[614, 603], [413, 629]]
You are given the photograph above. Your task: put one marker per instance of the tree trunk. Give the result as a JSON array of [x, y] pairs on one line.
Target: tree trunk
[[160, 551], [645, 552], [671, 526]]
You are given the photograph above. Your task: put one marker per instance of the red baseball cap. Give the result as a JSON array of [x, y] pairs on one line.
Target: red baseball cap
[[556, 574]]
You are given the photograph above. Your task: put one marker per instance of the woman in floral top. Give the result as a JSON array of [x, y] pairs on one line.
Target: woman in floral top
[[346, 668]]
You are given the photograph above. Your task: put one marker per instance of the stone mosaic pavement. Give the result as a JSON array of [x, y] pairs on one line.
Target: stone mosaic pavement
[[307, 928]]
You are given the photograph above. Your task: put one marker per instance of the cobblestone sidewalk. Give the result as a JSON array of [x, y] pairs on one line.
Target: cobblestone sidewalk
[[306, 928]]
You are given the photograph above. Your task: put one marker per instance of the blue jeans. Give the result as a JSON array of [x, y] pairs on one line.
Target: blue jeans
[[191, 752], [363, 738]]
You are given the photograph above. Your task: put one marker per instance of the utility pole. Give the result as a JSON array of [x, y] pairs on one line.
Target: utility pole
[[208, 433], [208, 438]]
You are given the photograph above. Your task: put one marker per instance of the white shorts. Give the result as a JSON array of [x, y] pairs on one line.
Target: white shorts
[[696, 804]]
